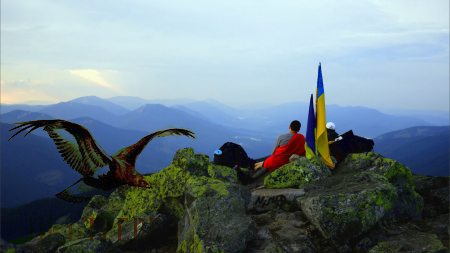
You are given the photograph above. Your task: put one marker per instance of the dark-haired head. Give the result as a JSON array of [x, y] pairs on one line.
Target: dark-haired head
[[295, 126]]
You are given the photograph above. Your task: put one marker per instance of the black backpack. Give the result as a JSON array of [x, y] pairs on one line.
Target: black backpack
[[233, 154], [350, 143], [357, 144]]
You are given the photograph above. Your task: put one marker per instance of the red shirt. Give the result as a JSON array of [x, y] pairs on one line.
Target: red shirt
[[281, 156]]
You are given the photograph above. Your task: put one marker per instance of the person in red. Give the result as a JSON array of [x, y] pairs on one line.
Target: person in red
[[285, 146]]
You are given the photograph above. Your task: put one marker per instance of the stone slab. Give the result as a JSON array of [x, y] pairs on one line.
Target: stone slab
[[267, 199]]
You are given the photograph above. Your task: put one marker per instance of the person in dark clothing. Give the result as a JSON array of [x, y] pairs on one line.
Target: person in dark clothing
[[331, 131]]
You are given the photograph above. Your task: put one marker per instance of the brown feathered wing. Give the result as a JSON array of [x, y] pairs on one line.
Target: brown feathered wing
[[131, 153], [82, 153]]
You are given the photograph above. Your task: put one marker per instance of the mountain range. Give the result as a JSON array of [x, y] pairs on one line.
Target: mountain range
[[271, 121], [116, 126]]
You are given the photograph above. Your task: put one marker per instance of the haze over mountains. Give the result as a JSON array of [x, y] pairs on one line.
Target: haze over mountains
[[121, 121]]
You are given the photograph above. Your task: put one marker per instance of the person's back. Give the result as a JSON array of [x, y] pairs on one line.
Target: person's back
[[282, 140], [295, 144]]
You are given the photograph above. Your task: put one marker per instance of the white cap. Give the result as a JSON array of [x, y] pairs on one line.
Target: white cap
[[330, 125]]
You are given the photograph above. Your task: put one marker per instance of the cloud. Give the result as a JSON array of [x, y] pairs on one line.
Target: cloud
[[20, 82], [17, 95], [181, 49], [95, 76]]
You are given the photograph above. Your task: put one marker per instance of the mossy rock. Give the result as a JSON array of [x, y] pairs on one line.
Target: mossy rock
[[104, 211], [215, 219], [146, 230], [49, 243], [409, 204], [71, 232], [167, 186], [297, 173], [92, 209], [196, 164], [223, 173], [96, 245], [386, 247], [346, 210], [398, 175], [212, 187], [410, 241]]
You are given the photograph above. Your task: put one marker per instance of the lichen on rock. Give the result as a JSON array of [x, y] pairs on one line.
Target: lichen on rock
[[409, 204], [196, 164], [167, 186], [98, 245], [49, 243], [297, 173], [223, 173], [215, 219], [352, 207]]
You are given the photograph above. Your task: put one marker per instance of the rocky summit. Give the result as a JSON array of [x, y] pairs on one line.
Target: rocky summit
[[369, 203]]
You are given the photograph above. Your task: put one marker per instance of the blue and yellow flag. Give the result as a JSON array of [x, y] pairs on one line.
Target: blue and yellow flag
[[321, 134], [310, 144]]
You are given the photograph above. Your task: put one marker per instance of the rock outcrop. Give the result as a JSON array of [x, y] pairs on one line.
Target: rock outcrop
[[215, 219], [367, 204], [350, 208], [296, 173]]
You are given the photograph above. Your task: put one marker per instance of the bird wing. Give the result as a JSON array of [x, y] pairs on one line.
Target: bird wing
[[81, 152], [131, 153]]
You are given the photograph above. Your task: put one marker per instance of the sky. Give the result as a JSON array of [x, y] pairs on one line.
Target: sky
[[377, 54]]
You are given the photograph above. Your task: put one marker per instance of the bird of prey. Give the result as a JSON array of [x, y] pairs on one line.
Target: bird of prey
[[86, 156]]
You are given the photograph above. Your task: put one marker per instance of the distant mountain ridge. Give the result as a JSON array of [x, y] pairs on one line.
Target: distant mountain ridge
[[424, 149], [190, 111], [363, 121], [21, 115], [5, 108], [132, 103], [72, 110], [105, 104], [435, 117], [419, 131]]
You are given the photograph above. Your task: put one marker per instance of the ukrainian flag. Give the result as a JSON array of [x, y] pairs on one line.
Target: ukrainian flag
[[321, 134]]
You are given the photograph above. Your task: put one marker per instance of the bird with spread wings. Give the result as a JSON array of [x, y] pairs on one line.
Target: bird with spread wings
[[86, 156]]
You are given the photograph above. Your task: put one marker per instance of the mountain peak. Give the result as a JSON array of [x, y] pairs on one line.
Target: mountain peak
[[148, 107], [105, 104], [86, 99]]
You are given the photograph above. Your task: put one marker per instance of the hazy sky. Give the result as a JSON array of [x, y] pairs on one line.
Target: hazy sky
[[378, 54]]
